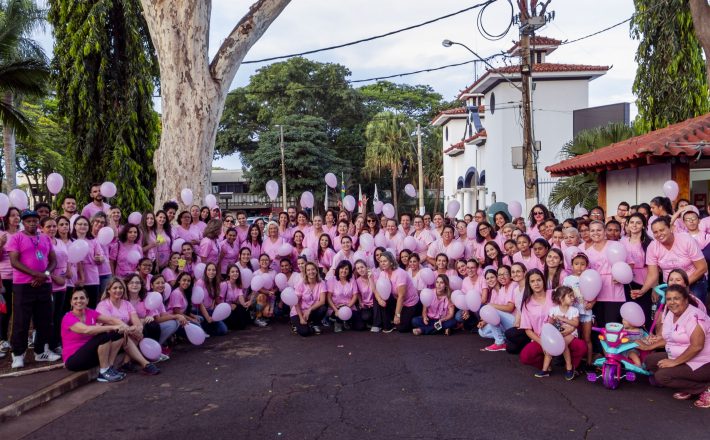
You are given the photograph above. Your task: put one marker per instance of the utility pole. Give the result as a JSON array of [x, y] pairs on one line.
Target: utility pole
[[420, 170], [283, 170]]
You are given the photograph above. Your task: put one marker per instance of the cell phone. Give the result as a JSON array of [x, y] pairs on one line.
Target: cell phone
[[181, 263], [437, 325]]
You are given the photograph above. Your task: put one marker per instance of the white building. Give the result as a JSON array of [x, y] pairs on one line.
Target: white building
[[479, 138]]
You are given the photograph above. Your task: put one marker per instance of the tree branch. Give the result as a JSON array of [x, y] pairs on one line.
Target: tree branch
[[250, 28]]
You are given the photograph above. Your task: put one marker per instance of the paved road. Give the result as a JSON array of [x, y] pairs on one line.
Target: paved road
[[269, 384]]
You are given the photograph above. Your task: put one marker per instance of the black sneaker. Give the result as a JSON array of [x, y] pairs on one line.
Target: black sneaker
[[129, 367], [114, 371], [109, 376], [150, 370]]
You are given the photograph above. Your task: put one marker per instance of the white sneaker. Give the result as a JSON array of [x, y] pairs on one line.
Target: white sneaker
[[47, 356], [18, 361], [4, 346], [2, 354], [375, 329]]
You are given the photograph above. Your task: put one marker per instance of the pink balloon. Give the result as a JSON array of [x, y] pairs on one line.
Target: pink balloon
[[622, 272], [615, 252], [490, 315], [4, 204], [272, 189], [427, 275], [307, 199], [388, 210], [344, 313], [257, 283], [455, 250], [77, 250], [105, 235], [133, 257], [377, 207], [195, 334], [331, 180], [55, 182], [198, 295], [285, 250], [108, 189], [255, 263], [671, 190], [471, 229], [199, 270], [453, 208], [410, 243], [281, 281], [18, 198], [590, 284], [381, 240], [211, 201], [153, 300], [410, 190], [580, 212], [366, 241], [289, 297], [221, 312], [515, 208], [569, 253], [633, 313], [134, 218], [177, 245], [267, 280], [150, 349], [552, 340], [166, 293], [186, 196], [306, 252], [426, 297], [384, 288], [459, 299], [349, 203], [455, 283], [246, 275], [473, 300]]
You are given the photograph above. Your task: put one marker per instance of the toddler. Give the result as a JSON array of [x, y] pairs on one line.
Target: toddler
[[565, 317], [580, 262]]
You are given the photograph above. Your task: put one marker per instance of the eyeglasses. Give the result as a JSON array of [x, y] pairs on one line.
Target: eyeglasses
[[229, 220], [134, 282]]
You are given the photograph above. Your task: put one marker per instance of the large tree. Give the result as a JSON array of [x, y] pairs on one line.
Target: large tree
[[193, 88], [23, 71], [671, 83], [700, 10], [419, 102], [106, 73]]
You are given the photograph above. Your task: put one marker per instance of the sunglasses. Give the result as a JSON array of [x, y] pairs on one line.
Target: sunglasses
[[538, 213]]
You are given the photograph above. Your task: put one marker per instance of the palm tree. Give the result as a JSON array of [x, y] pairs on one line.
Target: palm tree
[[433, 163], [23, 71], [387, 147], [582, 189]]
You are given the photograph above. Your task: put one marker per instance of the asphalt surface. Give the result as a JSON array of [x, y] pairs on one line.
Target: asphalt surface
[[270, 384]]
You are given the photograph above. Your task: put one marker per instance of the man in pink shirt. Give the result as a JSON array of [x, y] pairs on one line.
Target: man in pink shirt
[[97, 202], [33, 260]]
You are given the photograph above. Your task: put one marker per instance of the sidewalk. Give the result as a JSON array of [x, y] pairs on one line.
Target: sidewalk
[[22, 393]]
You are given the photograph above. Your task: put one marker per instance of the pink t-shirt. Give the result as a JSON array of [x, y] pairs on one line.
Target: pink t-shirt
[[326, 260], [33, 253], [636, 256], [478, 285], [89, 210], [142, 311], [534, 314], [5, 266], [681, 255], [72, 341], [162, 252], [169, 275], [439, 307], [60, 252], [231, 254], [308, 295], [118, 252], [399, 278], [504, 295], [530, 262], [342, 293], [230, 294], [363, 287], [198, 229], [89, 265], [123, 312], [177, 300], [209, 302], [208, 251], [677, 335], [271, 248], [294, 279], [105, 266], [611, 290]]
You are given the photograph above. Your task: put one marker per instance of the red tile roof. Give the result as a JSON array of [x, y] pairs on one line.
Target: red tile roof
[[456, 111], [538, 41], [674, 140], [536, 68], [461, 145]]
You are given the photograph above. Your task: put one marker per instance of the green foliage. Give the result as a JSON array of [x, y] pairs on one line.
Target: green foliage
[[106, 71], [308, 156], [582, 189], [670, 83], [419, 102]]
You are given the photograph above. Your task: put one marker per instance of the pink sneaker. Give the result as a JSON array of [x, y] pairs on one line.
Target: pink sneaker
[[495, 347], [704, 400]]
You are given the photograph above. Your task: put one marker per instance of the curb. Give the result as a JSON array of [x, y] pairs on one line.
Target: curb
[[47, 393]]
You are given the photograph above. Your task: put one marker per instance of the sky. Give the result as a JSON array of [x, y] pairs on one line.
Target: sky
[[312, 24]]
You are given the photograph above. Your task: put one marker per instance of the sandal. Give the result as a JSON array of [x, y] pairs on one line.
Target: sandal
[[704, 400], [447, 332], [416, 331], [682, 396]]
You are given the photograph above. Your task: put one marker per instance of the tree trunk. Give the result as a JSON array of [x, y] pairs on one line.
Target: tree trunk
[[700, 10], [8, 142], [193, 90], [436, 198]]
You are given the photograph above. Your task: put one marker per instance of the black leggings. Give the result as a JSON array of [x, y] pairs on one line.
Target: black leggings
[[5, 318], [239, 319], [385, 315], [92, 294], [314, 319], [516, 339], [152, 331], [88, 355], [55, 338]]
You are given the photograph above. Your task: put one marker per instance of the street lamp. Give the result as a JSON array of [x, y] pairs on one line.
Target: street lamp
[[418, 151], [283, 168], [449, 43]]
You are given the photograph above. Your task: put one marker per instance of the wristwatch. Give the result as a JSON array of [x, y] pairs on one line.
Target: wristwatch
[[398, 315], [46, 272]]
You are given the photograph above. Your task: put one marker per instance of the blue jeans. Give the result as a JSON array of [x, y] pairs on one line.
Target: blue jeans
[[700, 289], [167, 329], [214, 328], [428, 329], [497, 332]]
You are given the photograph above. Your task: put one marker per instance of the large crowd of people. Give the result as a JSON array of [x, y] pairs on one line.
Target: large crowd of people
[[352, 272]]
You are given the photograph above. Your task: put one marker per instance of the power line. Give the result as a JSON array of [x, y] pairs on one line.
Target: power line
[[597, 32], [375, 37]]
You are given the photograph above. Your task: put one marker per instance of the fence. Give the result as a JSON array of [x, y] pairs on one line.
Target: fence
[[544, 189]]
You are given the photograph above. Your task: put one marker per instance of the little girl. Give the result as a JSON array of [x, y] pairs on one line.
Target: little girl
[[634, 334], [565, 317], [580, 262]]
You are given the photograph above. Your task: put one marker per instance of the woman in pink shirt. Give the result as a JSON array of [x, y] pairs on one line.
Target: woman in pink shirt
[[343, 292], [88, 268], [365, 287], [414, 270], [197, 226], [234, 293], [164, 238], [183, 229], [128, 243], [98, 221], [285, 231], [271, 244], [636, 241], [209, 283], [671, 251], [158, 325], [439, 315], [149, 239], [114, 303], [325, 253], [171, 271], [265, 298], [423, 237], [525, 255], [441, 266], [685, 363], [307, 314], [209, 246], [228, 251], [493, 256], [537, 217], [253, 240], [611, 297], [503, 300], [554, 269], [59, 282], [11, 224], [180, 296], [403, 303], [535, 306]]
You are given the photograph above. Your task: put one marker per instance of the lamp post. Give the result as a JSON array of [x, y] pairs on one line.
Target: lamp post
[[283, 169]]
